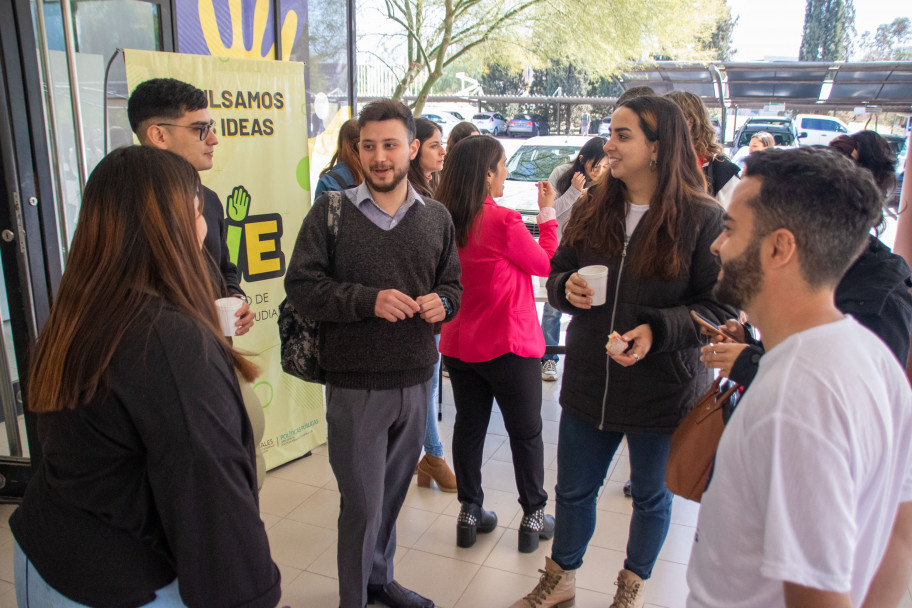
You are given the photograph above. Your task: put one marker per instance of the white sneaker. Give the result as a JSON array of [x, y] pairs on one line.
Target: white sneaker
[[549, 370]]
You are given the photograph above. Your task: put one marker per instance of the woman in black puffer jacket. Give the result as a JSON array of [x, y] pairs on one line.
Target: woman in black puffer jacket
[[651, 223]]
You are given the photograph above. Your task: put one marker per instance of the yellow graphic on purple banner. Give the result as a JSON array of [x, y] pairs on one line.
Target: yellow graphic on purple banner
[[261, 174], [237, 28]]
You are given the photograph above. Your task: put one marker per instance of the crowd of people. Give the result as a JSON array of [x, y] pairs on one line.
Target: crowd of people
[[147, 493]]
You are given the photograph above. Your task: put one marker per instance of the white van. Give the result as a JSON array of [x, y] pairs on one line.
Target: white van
[[818, 130]]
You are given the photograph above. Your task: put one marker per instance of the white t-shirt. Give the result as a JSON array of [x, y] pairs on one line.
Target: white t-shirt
[[634, 214], [809, 473]]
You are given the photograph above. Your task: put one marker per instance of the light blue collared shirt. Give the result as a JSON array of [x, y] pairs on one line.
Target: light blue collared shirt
[[362, 199]]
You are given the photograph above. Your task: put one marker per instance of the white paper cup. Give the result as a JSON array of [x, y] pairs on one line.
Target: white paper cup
[[227, 309], [597, 279]]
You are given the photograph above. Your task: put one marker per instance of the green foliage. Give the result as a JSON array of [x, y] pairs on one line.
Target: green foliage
[[591, 39], [827, 25], [890, 42], [719, 42]]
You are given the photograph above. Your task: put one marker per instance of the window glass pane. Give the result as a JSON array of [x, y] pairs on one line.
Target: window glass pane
[[100, 27]]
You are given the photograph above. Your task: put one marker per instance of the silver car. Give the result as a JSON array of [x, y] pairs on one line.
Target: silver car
[[490, 122]]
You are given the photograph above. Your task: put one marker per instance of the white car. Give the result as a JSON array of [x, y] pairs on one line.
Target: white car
[[814, 130], [446, 120], [533, 162], [490, 122]]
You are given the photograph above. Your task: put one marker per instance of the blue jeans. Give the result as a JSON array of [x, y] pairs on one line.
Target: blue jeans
[[550, 323], [32, 590], [432, 443], [583, 456]]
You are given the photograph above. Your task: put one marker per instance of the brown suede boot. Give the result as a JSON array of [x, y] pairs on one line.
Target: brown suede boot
[[631, 591], [555, 589], [436, 468]]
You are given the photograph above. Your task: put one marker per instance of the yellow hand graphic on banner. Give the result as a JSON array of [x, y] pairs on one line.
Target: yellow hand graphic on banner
[[209, 24]]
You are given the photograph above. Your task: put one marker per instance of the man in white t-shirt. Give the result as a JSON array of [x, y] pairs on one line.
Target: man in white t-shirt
[[809, 504]]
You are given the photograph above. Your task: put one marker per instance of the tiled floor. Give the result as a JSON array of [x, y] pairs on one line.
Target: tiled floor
[[300, 501]]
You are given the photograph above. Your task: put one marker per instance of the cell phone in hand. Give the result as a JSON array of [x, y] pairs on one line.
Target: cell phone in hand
[[704, 322]]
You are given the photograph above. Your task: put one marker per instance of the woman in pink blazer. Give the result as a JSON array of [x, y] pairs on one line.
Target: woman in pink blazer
[[493, 346]]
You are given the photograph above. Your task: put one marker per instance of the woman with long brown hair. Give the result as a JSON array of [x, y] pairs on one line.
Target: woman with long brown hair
[[424, 170], [650, 222], [493, 346], [344, 168], [146, 495]]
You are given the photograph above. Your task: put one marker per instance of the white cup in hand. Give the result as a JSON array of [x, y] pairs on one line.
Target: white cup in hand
[[596, 278]]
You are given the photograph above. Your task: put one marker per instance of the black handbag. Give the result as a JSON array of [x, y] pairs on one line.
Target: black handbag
[[299, 335]]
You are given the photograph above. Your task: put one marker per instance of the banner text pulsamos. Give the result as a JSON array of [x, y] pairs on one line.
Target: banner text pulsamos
[[261, 174]]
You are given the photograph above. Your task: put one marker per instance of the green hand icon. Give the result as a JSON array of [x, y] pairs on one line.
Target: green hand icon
[[238, 205]]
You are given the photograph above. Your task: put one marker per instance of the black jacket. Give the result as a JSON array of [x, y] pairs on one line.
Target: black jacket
[[874, 290], [655, 393], [153, 479]]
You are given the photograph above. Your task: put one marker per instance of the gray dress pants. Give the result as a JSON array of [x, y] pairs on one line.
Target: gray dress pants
[[374, 440]]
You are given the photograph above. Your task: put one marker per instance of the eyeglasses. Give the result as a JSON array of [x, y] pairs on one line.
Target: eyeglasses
[[203, 129]]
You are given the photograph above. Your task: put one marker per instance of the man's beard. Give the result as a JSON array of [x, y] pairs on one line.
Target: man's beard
[[741, 279], [398, 176]]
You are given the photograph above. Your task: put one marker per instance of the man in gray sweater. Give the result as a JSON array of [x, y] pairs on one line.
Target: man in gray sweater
[[393, 276]]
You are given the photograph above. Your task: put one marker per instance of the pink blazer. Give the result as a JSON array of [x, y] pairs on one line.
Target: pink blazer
[[497, 310]]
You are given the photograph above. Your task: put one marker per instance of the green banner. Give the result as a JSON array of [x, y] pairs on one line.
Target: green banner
[[262, 176]]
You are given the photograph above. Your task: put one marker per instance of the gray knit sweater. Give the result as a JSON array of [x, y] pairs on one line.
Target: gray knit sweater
[[417, 257]]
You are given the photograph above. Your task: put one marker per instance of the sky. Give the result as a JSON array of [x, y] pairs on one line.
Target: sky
[[772, 29]]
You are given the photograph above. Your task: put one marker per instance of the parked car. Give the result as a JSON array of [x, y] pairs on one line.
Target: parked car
[[818, 130], [446, 120], [490, 122], [533, 162], [784, 136], [785, 121], [532, 125], [604, 127]]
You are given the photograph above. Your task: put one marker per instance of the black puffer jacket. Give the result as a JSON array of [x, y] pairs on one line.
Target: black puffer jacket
[[655, 393]]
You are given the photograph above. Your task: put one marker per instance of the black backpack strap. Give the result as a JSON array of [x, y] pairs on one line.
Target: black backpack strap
[[339, 179]]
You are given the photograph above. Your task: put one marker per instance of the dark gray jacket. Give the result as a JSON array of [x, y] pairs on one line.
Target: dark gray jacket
[[655, 393]]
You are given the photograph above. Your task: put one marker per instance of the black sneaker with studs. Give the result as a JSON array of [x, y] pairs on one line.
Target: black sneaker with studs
[[534, 527], [473, 519]]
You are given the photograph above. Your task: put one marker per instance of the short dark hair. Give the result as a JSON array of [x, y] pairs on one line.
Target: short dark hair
[[388, 109], [163, 98], [824, 199]]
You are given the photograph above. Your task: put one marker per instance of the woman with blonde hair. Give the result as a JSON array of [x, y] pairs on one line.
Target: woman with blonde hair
[[146, 495], [720, 173]]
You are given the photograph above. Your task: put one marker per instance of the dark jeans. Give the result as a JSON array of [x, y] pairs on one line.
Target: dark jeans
[[516, 384], [583, 456]]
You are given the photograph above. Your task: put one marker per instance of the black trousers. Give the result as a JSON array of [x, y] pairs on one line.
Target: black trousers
[[516, 384]]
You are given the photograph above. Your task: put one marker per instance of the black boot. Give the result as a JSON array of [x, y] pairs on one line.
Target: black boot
[[535, 526], [472, 519]]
